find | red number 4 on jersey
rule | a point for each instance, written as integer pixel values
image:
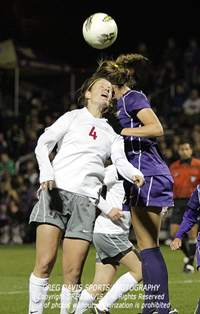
(93, 133)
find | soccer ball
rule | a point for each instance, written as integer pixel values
(100, 30)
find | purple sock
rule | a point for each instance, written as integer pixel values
(198, 307)
(155, 281)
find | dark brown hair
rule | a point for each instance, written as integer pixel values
(87, 85)
(117, 71)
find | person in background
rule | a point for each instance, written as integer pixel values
(191, 105)
(3, 144)
(113, 248)
(186, 174)
(7, 164)
(140, 126)
(191, 63)
(189, 220)
(70, 189)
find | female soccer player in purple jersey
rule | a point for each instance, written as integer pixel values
(189, 219)
(139, 125)
(70, 188)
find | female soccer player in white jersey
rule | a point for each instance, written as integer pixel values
(70, 188)
(113, 248)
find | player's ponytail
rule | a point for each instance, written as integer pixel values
(126, 60)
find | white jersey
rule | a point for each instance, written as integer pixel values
(114, 198)
(84, 144)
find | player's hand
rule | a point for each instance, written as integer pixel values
(139, 181)
(115, 213)
(176, 244)
(47, 185)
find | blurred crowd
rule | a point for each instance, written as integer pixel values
(173, 88)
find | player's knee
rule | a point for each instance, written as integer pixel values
(44, 266)
(73, 275)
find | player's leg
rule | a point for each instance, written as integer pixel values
(48, 238)
(175, 221)
(76, 243)
(173, 230)
(197, 310)
(125, 283)
(74, 254)
(132, 261)
(146, 223)
(192, 240)
(104, 275)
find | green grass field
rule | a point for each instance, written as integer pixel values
(16, 264)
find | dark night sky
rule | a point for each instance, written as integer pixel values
(55, 26)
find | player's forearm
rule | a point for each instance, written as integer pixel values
(147, 131)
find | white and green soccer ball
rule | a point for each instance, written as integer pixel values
(100, 30)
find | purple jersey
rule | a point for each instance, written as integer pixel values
(191, 214)
(143, 153)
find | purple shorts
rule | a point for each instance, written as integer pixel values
(158, 191)
(198, 251)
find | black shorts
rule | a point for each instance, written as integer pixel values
(180, 206)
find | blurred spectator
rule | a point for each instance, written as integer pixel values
(33, 122)
(175, 146)
(172, 53)
(14, 231)
(144, 71)
(31, 173)
(26, 196)
(48, 120)
(197, 84)
(25, 98)
(31, 141)
(3, 144)
(8, 190)
(15, 139)
(178, 100)
(169, 156)
(191, 107)
(167, 75)
(73, 106)
(196, 140)
(143, 50)
(3, 217)
(7, 164)
(65, 102)
(191, 63)
(8, 118)
(36, 101)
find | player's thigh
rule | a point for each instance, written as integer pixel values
(193, 232)
(174, 229)
(146, 222)
(74, 254)
(48, 238)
